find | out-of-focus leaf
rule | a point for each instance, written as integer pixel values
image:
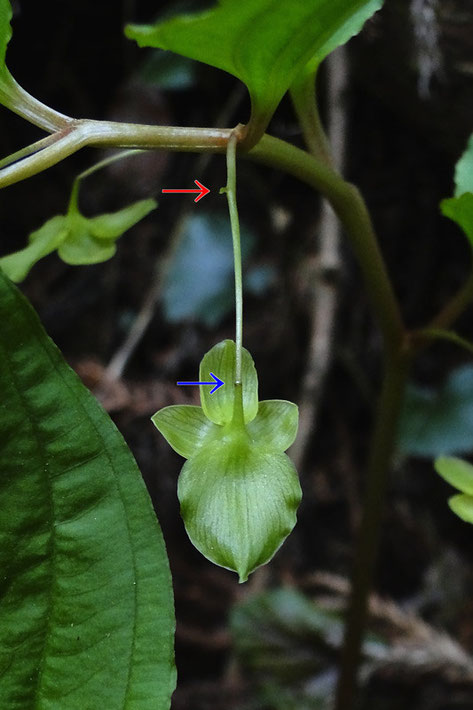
(258, 279)
(460, 207)
(460, 211)
(200, 282)
(264, 43)
(79, 240)
(462, 505)
(457, 472)
(464, 171)
(86, 611)
(289, 645)
(170, 72)
(437, 422)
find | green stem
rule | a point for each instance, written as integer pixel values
(455, 306)
(74, 199)
(422, 337)
(28, 150)
(350, 207)
(14, 97)
(344, 197)
(230, 191)
(307, 111)
(108, 134)
(122, 155)
(377, 476)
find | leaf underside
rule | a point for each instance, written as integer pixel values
(264, 43)
(86, 610)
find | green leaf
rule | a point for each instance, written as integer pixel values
(462, 505)
(43, 241)
(460, 211)
(238, 502)
(185, 428)
(86, 612)
(439, 421)
(457, 472)
(460, 207)
(79, 240)
(5, 31)
(275, 424)
(264, 43)
(219, 406)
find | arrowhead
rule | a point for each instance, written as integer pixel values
(203, 191)
(218, 382)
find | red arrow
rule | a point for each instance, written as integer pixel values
(202, 190)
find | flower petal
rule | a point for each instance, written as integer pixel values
(184, 427)
(275, 425)
(238, 503)
(220, 360)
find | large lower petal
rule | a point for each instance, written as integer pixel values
(238, 503)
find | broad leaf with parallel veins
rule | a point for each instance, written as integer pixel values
(238, 490)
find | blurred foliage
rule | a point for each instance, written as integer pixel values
(199, 284)
(290, 645)
(460, 207)
(439, 420)
(169, 71)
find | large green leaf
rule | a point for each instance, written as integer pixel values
(264, 43)
(5, 31)
(86, 611)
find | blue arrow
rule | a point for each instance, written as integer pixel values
(215, 381)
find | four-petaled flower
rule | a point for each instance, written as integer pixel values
(238, 490)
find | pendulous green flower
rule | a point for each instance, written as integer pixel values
(238, 490)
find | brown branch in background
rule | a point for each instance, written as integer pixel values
(325, 270)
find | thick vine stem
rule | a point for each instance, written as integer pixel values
(396, 370)
(307, 111)
(350, 207)
(82, 133)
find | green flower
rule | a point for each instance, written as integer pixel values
(238, 490)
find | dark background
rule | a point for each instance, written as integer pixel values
(401, 149)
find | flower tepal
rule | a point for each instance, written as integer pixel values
(238, 490)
